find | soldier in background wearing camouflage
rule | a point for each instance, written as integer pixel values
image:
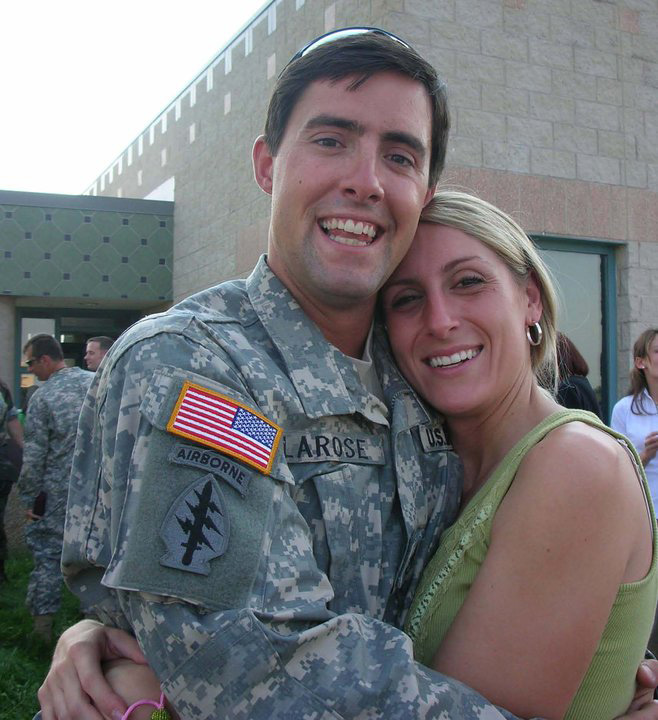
(50, 428)
(11, 430)
(255, 484)
(95, 351)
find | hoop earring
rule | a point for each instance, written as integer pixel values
(538, 332)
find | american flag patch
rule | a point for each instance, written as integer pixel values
(217, 421)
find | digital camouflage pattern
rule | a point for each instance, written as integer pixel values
(7, 412)
(50, 428)
(7, 469)
(295, 618)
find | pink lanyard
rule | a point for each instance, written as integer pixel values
(158, 714)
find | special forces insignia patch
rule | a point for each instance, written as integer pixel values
(196, 528)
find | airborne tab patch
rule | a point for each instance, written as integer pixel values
(219, 422)
(196, 528)
(236, 475)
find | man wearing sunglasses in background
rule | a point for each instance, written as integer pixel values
(256, 485)
(50, 427)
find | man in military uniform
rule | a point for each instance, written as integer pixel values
(11, 432)
(95, 351)
(255, 484)
(50, 428)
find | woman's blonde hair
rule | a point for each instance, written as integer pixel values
(500, 233)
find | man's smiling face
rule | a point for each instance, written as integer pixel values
(348, 183)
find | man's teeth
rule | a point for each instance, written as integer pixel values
(454, 359)
(355, 228)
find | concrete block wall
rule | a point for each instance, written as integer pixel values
(556, 97)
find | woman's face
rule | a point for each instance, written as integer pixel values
(649, 364)
(457, 320)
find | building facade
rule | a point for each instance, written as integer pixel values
(554, 107)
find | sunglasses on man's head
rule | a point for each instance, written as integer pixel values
(339, 35)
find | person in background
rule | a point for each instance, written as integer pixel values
(636, 417)
(96, 349)
(50, 428)
(574, 389)
(11, 447)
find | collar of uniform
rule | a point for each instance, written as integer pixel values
(59, 373)
(325, 380)
(396, 389)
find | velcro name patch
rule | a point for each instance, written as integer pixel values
(219, 422)
(323, 447)
(433, 438)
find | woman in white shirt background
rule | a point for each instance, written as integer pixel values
(636, 417)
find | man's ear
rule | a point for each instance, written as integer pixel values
(431, 190)
(263, 162)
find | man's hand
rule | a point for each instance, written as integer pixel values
(644, 707)
(75, 687)
(31, 516)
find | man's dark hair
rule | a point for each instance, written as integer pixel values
(103, 341)
(360, 56)
(44, 344)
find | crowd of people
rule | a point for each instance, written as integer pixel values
(349, 485)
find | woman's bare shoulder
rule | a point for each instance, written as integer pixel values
(581, 458)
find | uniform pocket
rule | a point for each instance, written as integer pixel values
(345, 504)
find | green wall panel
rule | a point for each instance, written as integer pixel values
(85, 252)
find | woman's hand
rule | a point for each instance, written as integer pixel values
(650, 448)
(649, 711)
(644, 707)
(75, 687)
(134, 682)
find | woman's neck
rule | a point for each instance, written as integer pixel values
(652, 389)
(483, 439)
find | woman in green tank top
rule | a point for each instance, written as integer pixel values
(542, 594)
